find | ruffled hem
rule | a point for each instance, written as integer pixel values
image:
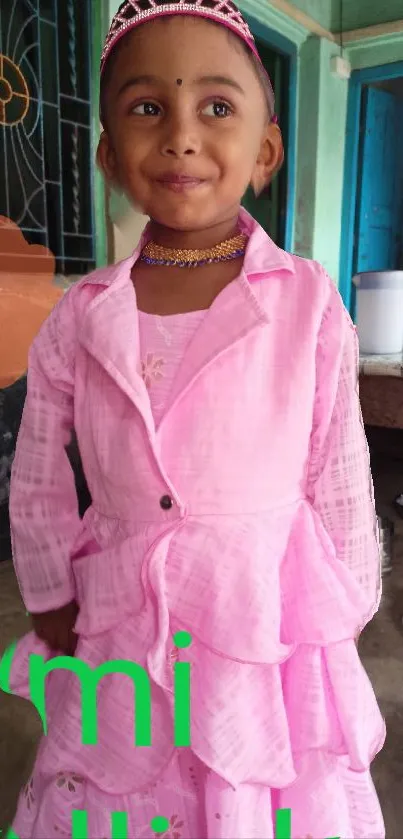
(264, 689)
(248, 722)
(205, 806)
(331, 705)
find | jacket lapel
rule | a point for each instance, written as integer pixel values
(232, 316)
(235, 313)
(110, 331)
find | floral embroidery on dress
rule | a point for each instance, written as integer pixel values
(29, 793)
(65, 779)
(151, 369)
(173, 831)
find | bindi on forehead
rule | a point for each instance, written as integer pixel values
(179, 82)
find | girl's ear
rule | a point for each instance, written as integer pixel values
(106, 162)
(270, 159)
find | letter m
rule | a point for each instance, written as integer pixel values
(89, 679)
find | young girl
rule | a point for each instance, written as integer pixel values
(211, 380)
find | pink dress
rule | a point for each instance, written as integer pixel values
(247, 421)
(326, 793)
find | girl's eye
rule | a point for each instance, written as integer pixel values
(219, 110)
(146, 109)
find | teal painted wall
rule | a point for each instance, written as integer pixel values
(361, 13)
(320, 10)
(374, 52)
(309, 95)
(356, 13)
(113, 7)
(330, 163)
(322, 125)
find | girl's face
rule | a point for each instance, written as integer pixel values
(187, 124)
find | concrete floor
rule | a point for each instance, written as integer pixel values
(381, 648)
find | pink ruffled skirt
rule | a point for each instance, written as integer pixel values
(283, 714)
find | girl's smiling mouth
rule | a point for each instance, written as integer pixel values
(179, 183)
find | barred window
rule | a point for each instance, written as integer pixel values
(46, 153)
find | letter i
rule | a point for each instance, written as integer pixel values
(79, 824)
(283, 824)
(182, 706)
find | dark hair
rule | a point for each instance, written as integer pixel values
(257, 66)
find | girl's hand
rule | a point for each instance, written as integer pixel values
(56, 628)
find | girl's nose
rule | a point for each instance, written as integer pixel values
(181, 139)
(176, 151)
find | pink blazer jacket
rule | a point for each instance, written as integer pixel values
(247, 519)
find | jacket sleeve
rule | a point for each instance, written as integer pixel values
(340, 484)
(44, 514)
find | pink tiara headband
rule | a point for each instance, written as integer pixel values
(134, 12)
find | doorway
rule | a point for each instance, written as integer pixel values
(372, 224)
(379, 213)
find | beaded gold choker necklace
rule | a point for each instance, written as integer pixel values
(232, 248)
